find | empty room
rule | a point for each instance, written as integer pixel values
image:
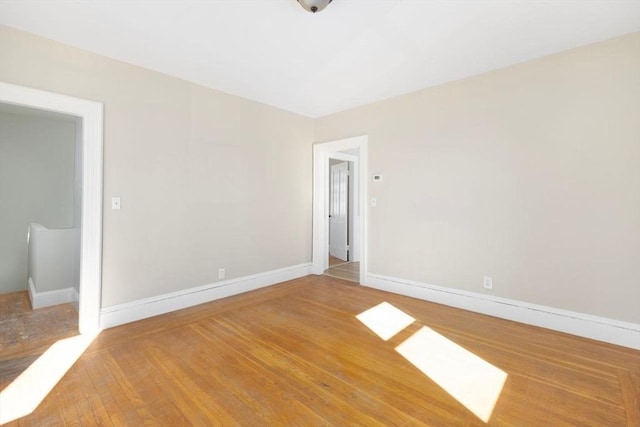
(316, 212)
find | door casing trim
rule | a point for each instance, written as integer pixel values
(322, 152)
(91, 113)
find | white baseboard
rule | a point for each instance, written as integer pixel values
(49, 298)
(584, 325)
(149, 307)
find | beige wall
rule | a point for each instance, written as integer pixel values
(207, 180)
(36, 184)
(529, 174)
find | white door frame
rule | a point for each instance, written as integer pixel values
(321, 155)
(91, 113)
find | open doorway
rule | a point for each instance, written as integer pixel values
(340, 211)
(40, 202)
(90, 115)
(339, 220)
(343, 262)
(24, 394)
(40, 198)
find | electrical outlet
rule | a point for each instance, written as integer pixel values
(488, 282)
(221, 273)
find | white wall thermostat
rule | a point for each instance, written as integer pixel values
(377, 178)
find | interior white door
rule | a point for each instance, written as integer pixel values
(339, 210)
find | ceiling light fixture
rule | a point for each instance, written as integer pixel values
(314, 6)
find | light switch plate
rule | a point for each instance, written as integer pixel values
(115, 203)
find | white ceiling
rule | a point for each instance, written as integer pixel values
(352, 53)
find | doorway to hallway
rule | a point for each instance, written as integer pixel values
(353, 151)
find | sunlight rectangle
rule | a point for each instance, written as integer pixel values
(385, 320)
(25, 393)
(472, 381)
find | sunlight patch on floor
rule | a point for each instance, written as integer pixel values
(25, 393)
(468, 378)
(472, 381)
(385, 320)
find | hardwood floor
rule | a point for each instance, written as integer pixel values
(333, 261)
(295, 354)
(25, 333)
(343, 269)
(349, 271)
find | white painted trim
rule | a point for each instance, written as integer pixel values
(583, 325)
(49, 298)
(91, 113)
(153, 306)
(321, 154)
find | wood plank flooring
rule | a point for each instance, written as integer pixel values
(343, 270)
(25, 333)
(295, 354)
(333, 261)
